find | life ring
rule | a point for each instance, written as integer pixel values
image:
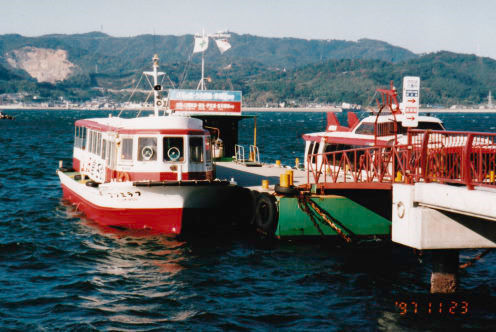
(122, 176)
(173, 153)
(147, 152)
(159, 103)
(266, 214)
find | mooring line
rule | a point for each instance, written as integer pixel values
(302, 204)
(475, 259)
(305, 199)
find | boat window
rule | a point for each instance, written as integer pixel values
(365, 128)
(98, 150)
(335, 147)
(196, 149)
(208, 149)
(401, 129)
(76, 136)
(430, 125)
(111, 154)
(314, 149)
(91, 147)
(79, 137)
(104, 149)
(83, 137)
(147, 148)
(173, 149)
(127, 149)
(383, 128)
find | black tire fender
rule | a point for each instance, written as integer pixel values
(266, 214)
(289, 191)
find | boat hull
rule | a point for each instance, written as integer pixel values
(164, 208)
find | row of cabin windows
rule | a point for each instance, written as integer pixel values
(387, 128)
(96, 145)
(173, 149)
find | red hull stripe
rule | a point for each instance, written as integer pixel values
(166, 221)
(163, 176)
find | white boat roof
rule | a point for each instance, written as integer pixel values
(171, 122)
(371, 119)
(399, 117)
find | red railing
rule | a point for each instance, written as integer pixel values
(426, 156)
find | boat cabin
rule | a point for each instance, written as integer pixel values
(142, 149)
(372, 130)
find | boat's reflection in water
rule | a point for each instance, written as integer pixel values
(140, 248)
(134, 276)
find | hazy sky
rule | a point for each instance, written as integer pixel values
(419, 25)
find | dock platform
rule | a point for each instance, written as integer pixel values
(251, 177)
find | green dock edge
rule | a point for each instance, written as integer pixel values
(353, 218)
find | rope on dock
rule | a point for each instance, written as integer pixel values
(305, 203)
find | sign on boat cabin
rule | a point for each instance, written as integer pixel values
(205, 101)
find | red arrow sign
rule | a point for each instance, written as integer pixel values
(411, 101)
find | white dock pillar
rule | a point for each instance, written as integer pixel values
(443, 219)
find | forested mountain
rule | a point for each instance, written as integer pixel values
(267, 70)
(447, 78)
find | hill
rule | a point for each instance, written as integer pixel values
(267, 70)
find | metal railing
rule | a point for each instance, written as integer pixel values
(239, 153)
(253, 157)
(466, 158)
(254, 154)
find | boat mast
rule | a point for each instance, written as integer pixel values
(157, 98)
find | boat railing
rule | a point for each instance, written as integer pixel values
(239, 151)
(466, 158)
(254, 154)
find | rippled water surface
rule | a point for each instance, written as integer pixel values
(59, 271)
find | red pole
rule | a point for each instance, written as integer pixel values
(423, 156)
(467, 151)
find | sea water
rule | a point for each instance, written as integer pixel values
(60, 271)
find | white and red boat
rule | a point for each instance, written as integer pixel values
(382, 129)
(152, 172)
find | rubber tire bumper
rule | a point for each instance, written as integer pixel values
(266, 214)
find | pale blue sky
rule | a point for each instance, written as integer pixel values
(419, 25)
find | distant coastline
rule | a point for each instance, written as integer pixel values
(250, 109)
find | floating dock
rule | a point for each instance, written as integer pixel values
(289, 214)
